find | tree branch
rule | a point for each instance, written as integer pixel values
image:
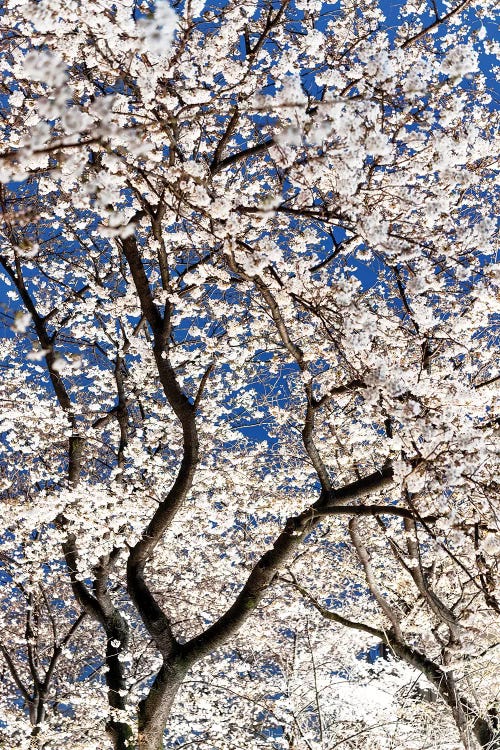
(229, 161)
(461, 6)
(461, 707)
(295, 530)
(373, 510)
(334, 616)
(364, 559)
(15, 673)
(224, 140)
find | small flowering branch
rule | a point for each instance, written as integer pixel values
(439, 20)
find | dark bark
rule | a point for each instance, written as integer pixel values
(155, 620)
(272, 561)
(120, 732)
(155, 709)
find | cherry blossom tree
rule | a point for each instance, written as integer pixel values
(250, 370)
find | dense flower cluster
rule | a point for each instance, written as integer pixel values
(249, 376)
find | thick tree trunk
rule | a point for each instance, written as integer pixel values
(155, 709)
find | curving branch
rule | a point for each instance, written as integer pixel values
(150, 611)
(437, 606)
(275, 559)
